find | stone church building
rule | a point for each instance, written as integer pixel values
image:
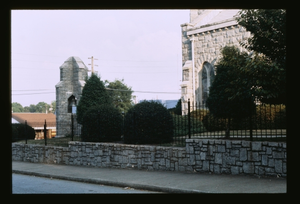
(68, 92)
(202, 38)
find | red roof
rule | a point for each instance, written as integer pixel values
(35, 119)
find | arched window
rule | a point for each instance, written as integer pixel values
(71, 102)
(208, 76)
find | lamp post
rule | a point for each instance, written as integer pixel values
(123, 114)
(74, 109)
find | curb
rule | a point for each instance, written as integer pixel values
(112, 183)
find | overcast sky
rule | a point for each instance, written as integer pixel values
(141, 46)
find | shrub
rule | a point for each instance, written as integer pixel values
(148, 122)
(93, 93)
(265, 117)
(18, 132)
(181, 125)
(212, 123)
(102, 123)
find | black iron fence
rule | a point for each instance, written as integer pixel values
(267, 122)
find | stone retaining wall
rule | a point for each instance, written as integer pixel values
(199, 155)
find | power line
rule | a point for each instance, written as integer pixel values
(98, 59)
(34, 93)
(34, 90)
(122, 90)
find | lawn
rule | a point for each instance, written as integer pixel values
(62, 141)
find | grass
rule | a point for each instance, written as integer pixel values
(61, 141)
(179, 141)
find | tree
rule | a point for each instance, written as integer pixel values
(32, 108)
(268, 41)
(178, 110)
(53, 106)
(221, 101)
(102, 123)
(93, 93)
(17, 107)
(26, 109)
(121, 94)
(41, 107)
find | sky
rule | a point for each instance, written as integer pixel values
(143, 47)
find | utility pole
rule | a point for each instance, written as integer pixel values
(92, 64)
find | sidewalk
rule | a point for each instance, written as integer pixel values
(160, 181)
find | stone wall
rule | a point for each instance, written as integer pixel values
(237, 157)
(216, 156)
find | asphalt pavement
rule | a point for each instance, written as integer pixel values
(160, 181)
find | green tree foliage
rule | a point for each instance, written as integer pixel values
(41, 107)
(268, 68)
(38, 108)
(221, 102)
(102, 123)
(53, 106)
(121, 94)
(148, 122)
(18, 132)
(26, 109)
(17, 107)
(178, 110)
(93, 94)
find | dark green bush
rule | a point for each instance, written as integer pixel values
(265, 117)
(181, 125)
(148, 122)
(18, 132)
(212, 123)
(102, 123)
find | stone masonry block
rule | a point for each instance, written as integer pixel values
(268, 150)
(236, 142)
(254, 156)
(273, 144)
(220, 148)
(278, 166)
(245, 143)
(234, 170)
(271, 162)
(229, 160)
(191, 160)
(248, 167)
(182, 161)
(278, 155)
(218, 158)
(284, 167)
(235, 152)
(217, 169)
(243, 154)
(264, 160)
(256, 146)
(228, 144)
(205, 166)
(202, 155)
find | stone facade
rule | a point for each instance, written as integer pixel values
(202, 39)
(199, 155)
(68, 92)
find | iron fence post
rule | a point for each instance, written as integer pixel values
(72, 126)
(250, 117)
(189, 118)
(45, 133)
(25, 131)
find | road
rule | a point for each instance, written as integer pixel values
(24, 184)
